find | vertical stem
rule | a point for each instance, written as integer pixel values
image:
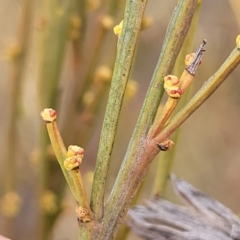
(126, 47)
(166, 159)
(141, 151)
(18, 63)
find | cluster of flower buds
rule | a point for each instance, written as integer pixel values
(74, 157)
(172, 86)
(118, 29)
(176, 87)
(82, 214)
(48, 115)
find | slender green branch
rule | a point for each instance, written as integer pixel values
(72, 176)
(126, 47)
(165, 160)
(141, 151)
(53, 36)
(17, 58)
(205, 92)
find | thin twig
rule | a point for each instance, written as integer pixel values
(141, 152)
(126, 47)
(205, 92)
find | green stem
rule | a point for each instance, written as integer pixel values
(165, 160)
(126, 47)
(141, 150)
(16, 77)
(73, 177)
(54, 33)
(18, 63)
(205, 92)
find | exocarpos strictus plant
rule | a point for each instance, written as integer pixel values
(99, 219)
(167, 105)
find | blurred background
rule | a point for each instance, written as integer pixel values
(208, 151)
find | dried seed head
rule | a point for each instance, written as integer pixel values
(74, 162)
(74, 150)
(49, 115)
(189, 58)
(118, 29)
(238, 41)
(82, 214)
(107, 22)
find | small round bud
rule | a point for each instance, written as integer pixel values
(238, 41)
(171, 86)
(74, 150)
(13, 51)
(88, 98)
(82, 214)
(93, 4)
(118, 29)
(48, 202)
(107, 22)
(10, 204)
(147, 22)
(71, 163)
(76, 22)
(171, 80)
(131, 89)
(49, 115)
(102, 74)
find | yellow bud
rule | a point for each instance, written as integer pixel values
(71, 163)
(88, 98)
(238, 41)
(75, 27)
(49, 115)
(147, 21)
(76, 22)
(171, 86)
(82, 214)
(74, 150)
(102, 74)
(131, 89)
(93, 4)
(10, 204)
(48, 202)
(107, 22)
(13, 52)
(118, 29)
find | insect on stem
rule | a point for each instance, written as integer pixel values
(192, 68)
